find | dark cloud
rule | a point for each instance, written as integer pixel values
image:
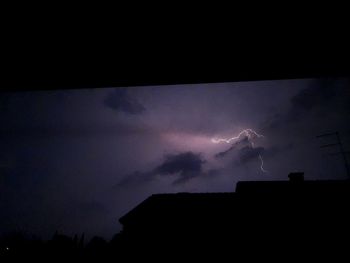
(183, 162)
(224, 153)
(234, 146)
(183, 166)
(120, 100)
(245, 151)
(320, 93)
(187, 165)
(248, 153)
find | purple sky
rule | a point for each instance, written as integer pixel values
(77, 160)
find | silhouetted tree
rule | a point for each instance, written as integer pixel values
(97, 247)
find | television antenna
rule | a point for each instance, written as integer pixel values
(342, 151)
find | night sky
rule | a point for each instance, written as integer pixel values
(77, 160)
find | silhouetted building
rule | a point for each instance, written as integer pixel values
(258, 216)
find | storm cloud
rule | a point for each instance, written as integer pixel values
(182, 166)
(234, 146)
(186, 165)
(318, 94)
(249, 153)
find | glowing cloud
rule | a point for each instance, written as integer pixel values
(250, 134)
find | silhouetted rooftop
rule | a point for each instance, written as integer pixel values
(321, 187)
(254, 194)
(166, 204)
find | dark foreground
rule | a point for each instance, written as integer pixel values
(294, 219)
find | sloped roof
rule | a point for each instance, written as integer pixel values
(167, 204)
(256, 195)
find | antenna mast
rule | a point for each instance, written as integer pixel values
(342, 151)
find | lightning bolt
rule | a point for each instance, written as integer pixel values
(250, 134)
(262, 164)
(247, 132)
